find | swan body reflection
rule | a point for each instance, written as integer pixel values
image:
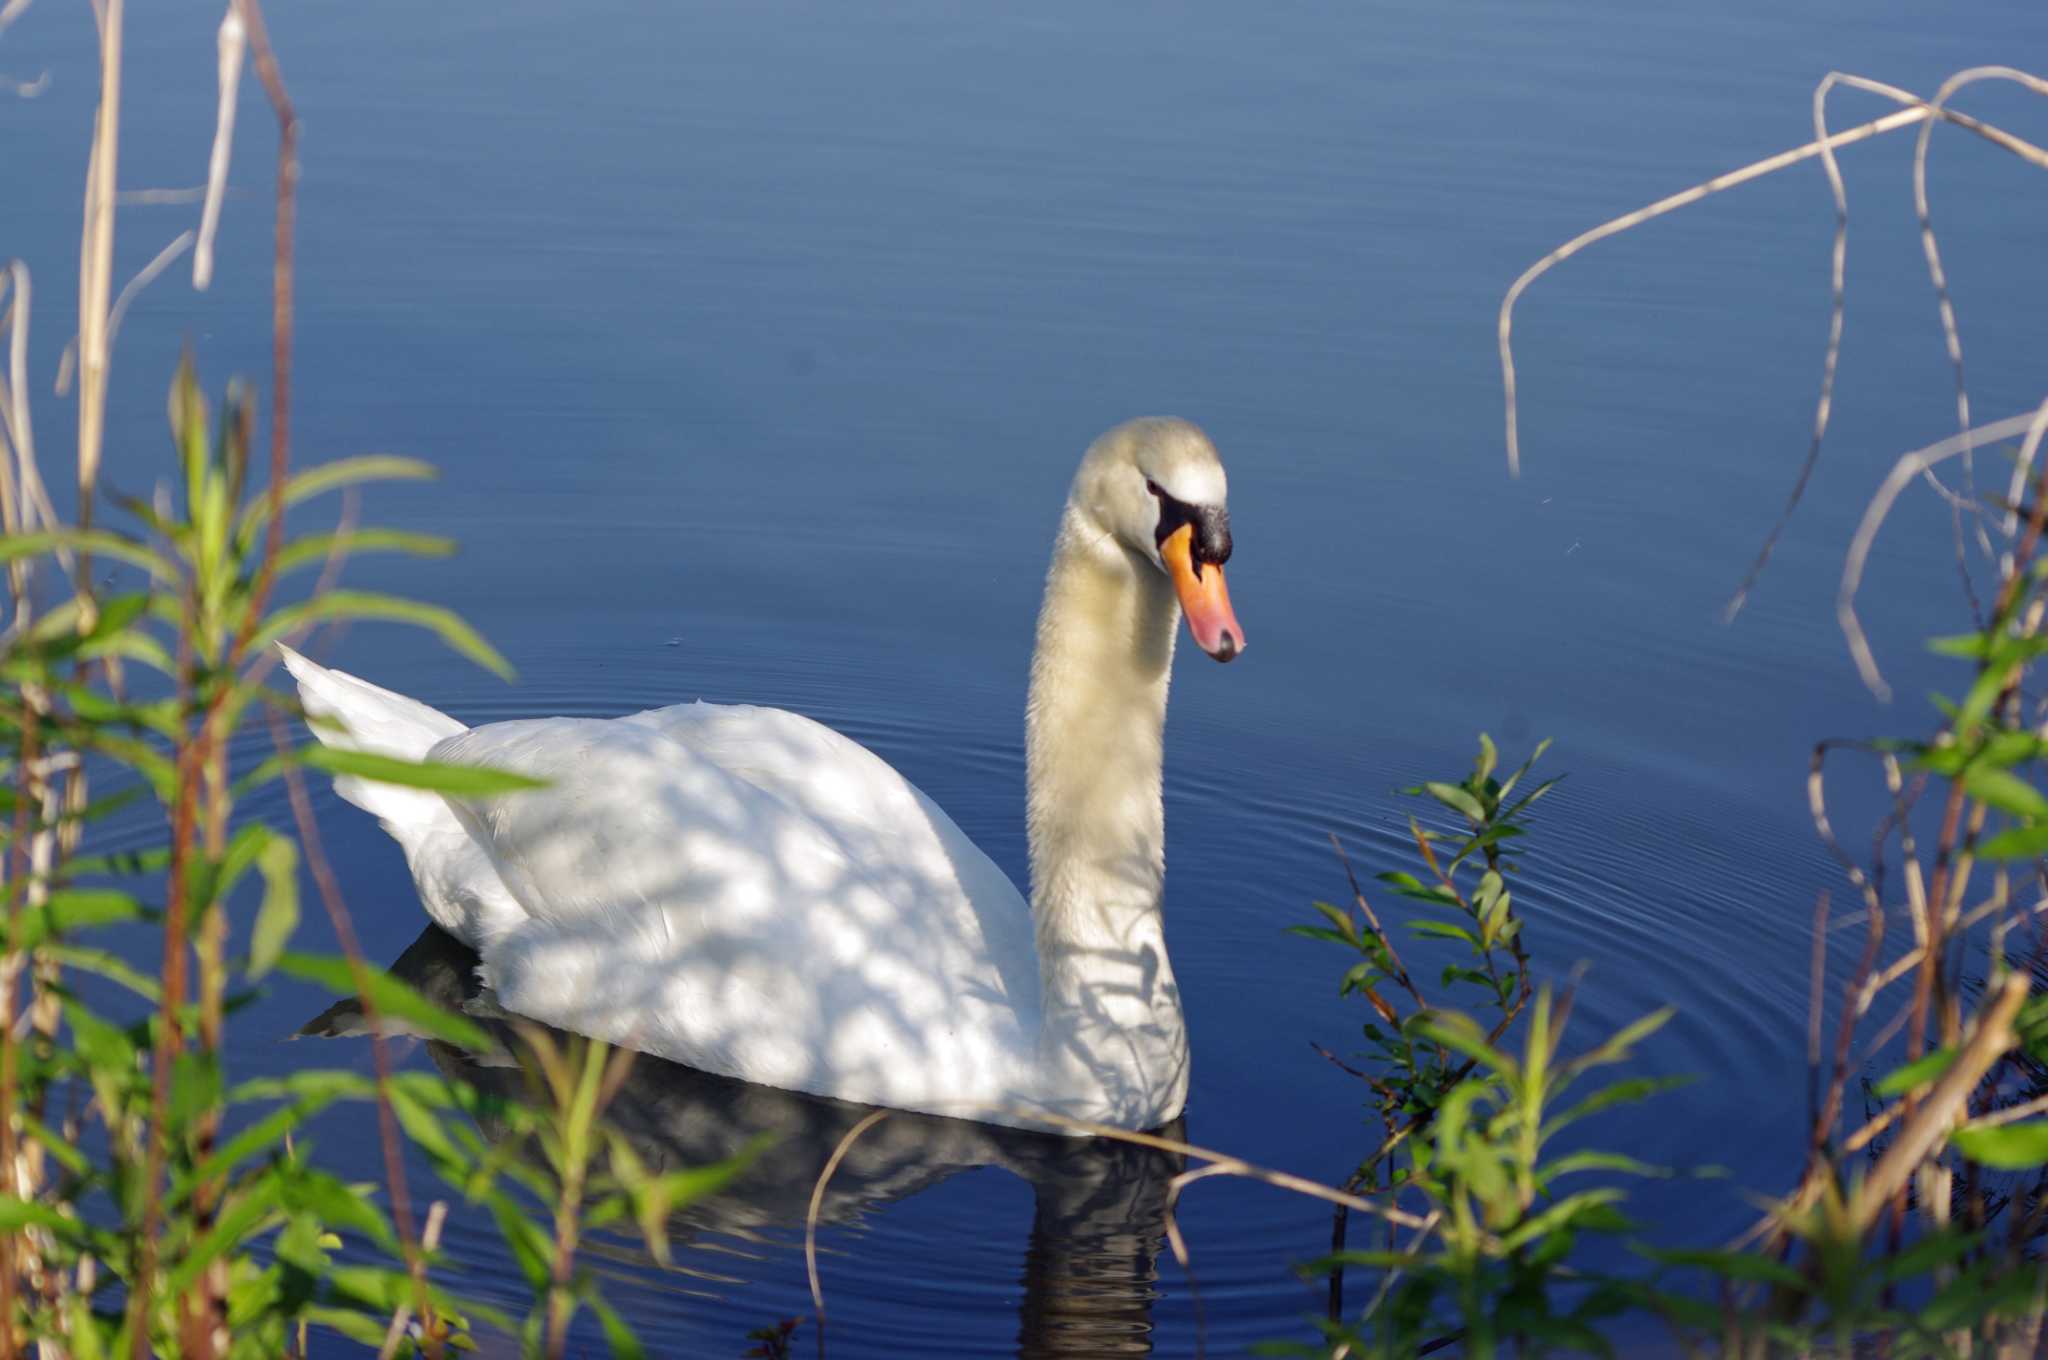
(1089, 1265)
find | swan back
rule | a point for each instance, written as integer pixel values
(744, 890)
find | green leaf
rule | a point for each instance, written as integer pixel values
(1460, 1033)
(1559, 1216)
(1445, 929)
(245, 1210)
(360, 1328)
(271, 1129)
(1970, 646)
(1617, 1047)
(2005, 791)
(1457, 799)
(339, 1205)
(2005, 1147)
(617, 1335)
(390, 997)
(1929, 1254)
(1321, 933)
(97, 542)
(62, 1150)
(530, 1246)
(314, 481)
(105, 1047)
(1917, 1073)
(1489, 757)
(2019, 842)
(69, 909)
(1510, 813)
(2006, 748)
(1730, 1265)
(16, 1214)
(196, 1087)
(363, 604)
(241, 855)
(56, 633)
(317, 1085)
(1369, 1259)
(1602, 1161)
(318, 548)
(1983, 693)
(278, 916)
(1628, 1091)
(657, 1196)
(1340, 919)
(1508, 785)
(461, 781)
(1408, 885)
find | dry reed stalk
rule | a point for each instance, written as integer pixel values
(265, 59)
(96, 260)
(1823, 145)
(10, 12)
(34, 504)
(1925, 1129)
(232, 42)
(48, 785)
(430, 1240)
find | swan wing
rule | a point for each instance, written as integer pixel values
(749, 892)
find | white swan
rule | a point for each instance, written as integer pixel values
(746, 891)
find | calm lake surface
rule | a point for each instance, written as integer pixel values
(757, 345)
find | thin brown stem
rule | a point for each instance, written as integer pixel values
(380, 1055)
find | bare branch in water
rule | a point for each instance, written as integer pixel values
(1951, 332)
(1902, 473)
(817, 1200)
(142, 280)
(1823, 145)
(10, 12)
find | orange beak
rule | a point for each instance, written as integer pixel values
(1203, 597)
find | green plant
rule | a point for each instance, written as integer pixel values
(1468, 887)
(1468, 1122)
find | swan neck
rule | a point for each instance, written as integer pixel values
(1094, 731)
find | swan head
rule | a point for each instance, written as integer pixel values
(1156, 486)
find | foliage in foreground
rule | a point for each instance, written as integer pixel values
(156, 1204)
(1917, 1224)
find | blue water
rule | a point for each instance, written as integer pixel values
(757, 343)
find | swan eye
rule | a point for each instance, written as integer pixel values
(1211, 525)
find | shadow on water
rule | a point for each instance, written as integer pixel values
(1089, 1270)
